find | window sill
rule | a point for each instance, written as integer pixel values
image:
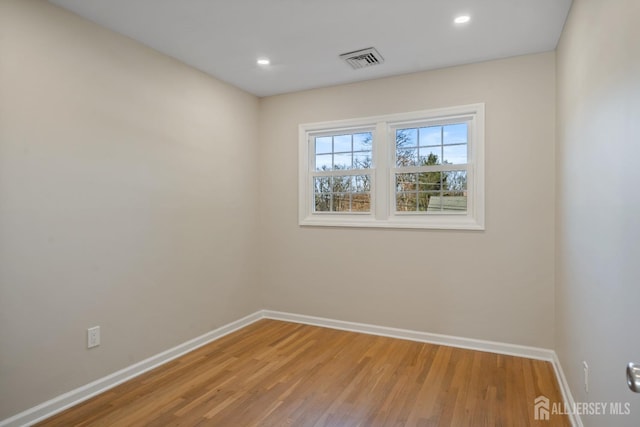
(406, 222)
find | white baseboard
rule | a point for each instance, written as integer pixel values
(74, 397)
(405, 334)
(575, 419)
(80, 394)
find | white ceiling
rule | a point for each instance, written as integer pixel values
(303, 38)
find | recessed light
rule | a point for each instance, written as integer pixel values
(462, 19)
(263, 61)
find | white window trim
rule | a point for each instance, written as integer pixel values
(382, 180)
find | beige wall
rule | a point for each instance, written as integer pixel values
(494, 285)
(120, 202)
(598, 212)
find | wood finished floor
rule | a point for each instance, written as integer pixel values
(275, 373)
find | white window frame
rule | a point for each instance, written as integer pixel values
(383, 171)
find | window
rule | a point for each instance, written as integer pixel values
(341, 172)
(415, 170)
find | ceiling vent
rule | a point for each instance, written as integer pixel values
(363, 58)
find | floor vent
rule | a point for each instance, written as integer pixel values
(362, 58)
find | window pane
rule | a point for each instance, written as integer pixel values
(361, 183)
(454, 202)
(323, 145)
(406, 157)
(322, 202)
(341, 143)
(406, 202)
(342, 161)
(429, 156)
(406, 138)
(430, 135)
(360, 202)
(454, 181)
(431, 192)
(455, 154)
(362, 141)
(405, 182)
(455, 134)
(448, 203)
(324, 162)
(341, 203)
(336, 152)
(347, 193)
(341, 184)
(362, 160)
(322, 184)
(428, 201)
(429, 181)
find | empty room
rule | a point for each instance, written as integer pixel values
(319, 213)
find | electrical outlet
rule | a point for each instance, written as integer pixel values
(586, 376)
(93, 337)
